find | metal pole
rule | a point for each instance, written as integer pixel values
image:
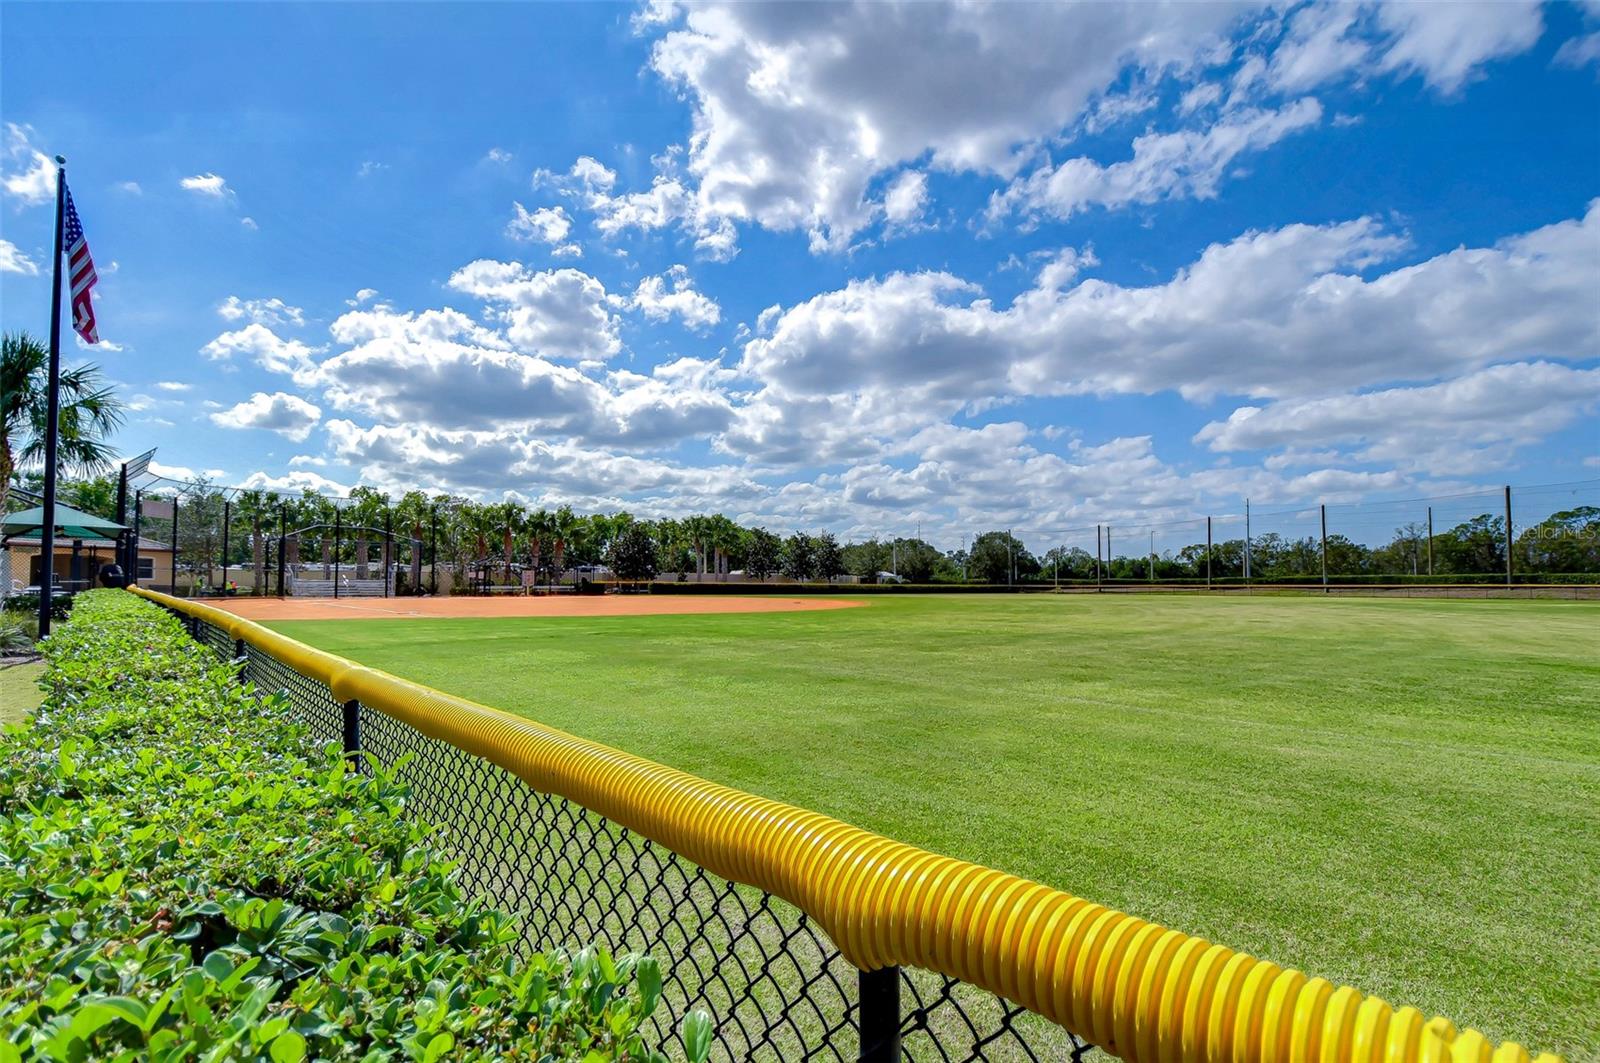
(227, 516)
(336, 534)
(1247, 542)
(879, 992)
(1324, 548)
(433, 550)
(1208, 553)
(1430, 540)
(388, 549)
(122, 495)
(283, 542)
(133, 547)
(47, 526)
(177, 506)
(1508, 535)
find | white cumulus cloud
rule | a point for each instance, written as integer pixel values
(288, 415)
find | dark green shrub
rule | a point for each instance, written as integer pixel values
(183, 875)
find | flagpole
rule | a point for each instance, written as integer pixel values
(47, 533)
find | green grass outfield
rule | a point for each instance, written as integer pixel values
(1401, 795)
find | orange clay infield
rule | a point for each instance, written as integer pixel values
(515, 605)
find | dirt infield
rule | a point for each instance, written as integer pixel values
(512, 606)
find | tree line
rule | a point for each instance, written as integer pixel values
(495, 542)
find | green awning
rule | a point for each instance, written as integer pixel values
(70, 524)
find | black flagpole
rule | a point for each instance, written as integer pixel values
(47, 532)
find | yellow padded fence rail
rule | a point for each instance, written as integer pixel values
(1137, 990)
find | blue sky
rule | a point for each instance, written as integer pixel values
(857, 268)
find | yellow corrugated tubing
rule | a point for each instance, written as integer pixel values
(1138, 990)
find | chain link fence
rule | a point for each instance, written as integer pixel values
(777, 987)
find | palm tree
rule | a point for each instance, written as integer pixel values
(413, 511)
(511, 517)
(563, 527)
(89, 412)
(698, 530)
(539, 525)
(368, 509)
(253, 506)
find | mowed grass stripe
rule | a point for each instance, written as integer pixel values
(1403, 795)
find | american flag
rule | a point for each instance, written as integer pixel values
(80, 267)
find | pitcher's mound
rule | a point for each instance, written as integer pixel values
(516, 605)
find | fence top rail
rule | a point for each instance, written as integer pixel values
(1138, 990)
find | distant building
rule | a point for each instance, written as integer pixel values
(78, 562)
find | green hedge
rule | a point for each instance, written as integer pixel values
(184, 875)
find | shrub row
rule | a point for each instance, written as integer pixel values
(185, 875)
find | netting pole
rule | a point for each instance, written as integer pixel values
(227, 517)
(433, 550)
(388, 550)
(1324, 508)
(879, 992)
(1208, 553)
(337, 529)
(1430, 540)
(1508, 535)
(283, 542)
(133, 547)
(177, 504)
(1247, 542)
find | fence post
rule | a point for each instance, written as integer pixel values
(240, 654)
(879, 992)
(1324, 548)
(352, 730)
